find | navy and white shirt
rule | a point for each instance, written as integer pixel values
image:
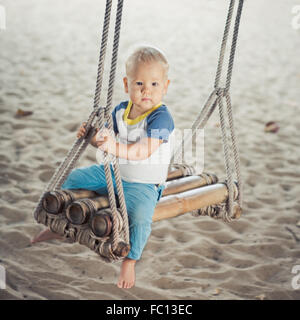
(156, 123)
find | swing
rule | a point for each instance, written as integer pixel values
(101, 222)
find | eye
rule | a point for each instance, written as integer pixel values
(155, 84)
(139, 83)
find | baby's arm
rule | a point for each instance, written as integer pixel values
(135, 151)
(138, 151)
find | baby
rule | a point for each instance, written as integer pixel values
(142, 129)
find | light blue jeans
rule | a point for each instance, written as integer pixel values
(140, 198)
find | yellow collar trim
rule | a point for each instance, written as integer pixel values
(139, 118)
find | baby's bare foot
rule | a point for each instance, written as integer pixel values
(127, 274)
(45, 235)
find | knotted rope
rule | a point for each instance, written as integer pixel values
(106, 113)
(102, 115)
(216, 98)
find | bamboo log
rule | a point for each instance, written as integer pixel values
(79, 212)
(188, 183)
(178, 204)
(179, 170)
(56, 201)
(101, 222)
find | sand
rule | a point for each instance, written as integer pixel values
(48, 61)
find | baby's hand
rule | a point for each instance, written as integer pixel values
(81, 131)
(105, 141)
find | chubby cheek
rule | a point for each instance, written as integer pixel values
(158, 96)
(134, 94)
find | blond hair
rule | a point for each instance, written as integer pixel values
(145, 54)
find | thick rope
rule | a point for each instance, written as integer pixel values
(114, 59)
(227, 157)
(108, 117)
(80, 144)
(234, 44)
(110, 186)
(102, 53)
(101, 114)
(225, 92)
(216, 99)
(235, 150)
(224, 44)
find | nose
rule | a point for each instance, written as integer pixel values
(146, 89)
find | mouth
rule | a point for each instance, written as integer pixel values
(146, 99)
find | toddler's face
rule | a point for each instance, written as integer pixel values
(147, 85)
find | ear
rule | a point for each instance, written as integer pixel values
(166, 86)
(125, 82)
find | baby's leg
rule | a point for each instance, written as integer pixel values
(140, 200)
(127, 274)
(88, 178)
